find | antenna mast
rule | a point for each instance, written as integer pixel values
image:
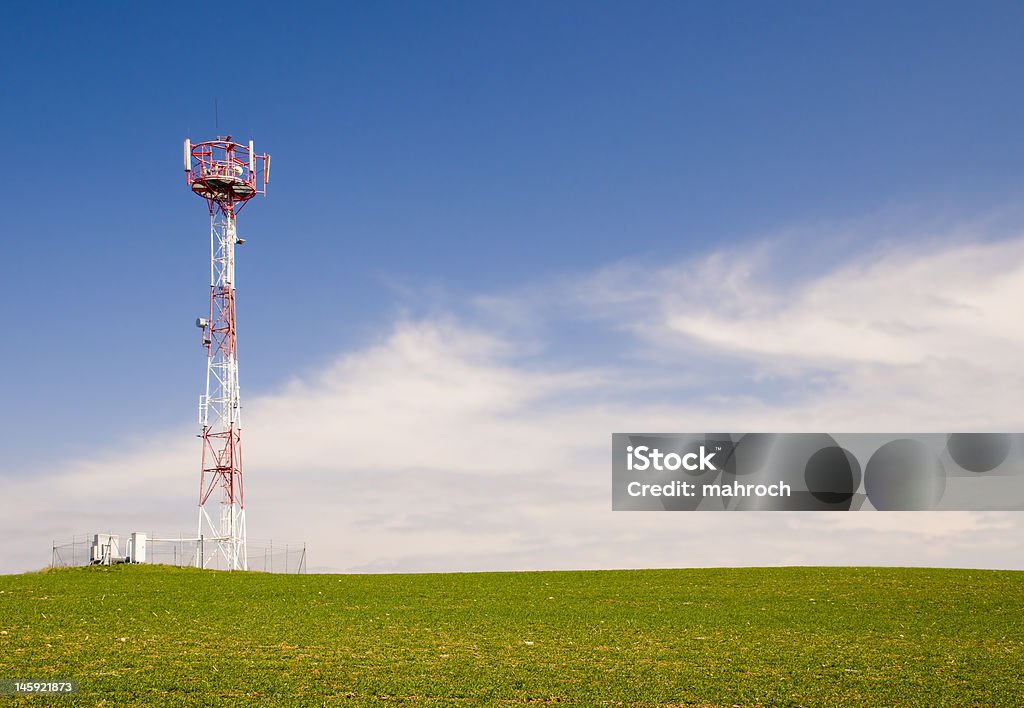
(227, 175)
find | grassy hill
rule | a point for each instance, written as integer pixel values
(746, 637)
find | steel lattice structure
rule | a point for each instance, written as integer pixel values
(227, 175)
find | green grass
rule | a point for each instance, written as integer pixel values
(747, 637)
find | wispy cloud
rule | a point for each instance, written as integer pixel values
(903, 308)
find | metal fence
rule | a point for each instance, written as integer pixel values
(264, 556)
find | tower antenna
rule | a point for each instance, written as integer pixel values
(227, 175)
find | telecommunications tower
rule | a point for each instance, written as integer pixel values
(227, 175)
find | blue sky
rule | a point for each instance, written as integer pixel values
(478, 167)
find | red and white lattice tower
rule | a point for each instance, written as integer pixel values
(227, 175)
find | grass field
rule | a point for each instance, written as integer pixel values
(747, 637)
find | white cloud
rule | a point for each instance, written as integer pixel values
(441, 448)
(903, 307)
(917, 337)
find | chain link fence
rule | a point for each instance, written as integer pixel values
(263, 556)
